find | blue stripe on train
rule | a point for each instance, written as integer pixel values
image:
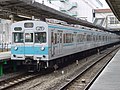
(29, 50)
(66, 28)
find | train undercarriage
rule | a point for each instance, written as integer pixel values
(35, 65)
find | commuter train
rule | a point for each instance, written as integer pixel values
(45, 44)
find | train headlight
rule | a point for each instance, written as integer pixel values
(15, 48)
(42, 48)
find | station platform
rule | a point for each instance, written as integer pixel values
(109, 79)
(4, 57)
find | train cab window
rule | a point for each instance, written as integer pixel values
(18, 37)
(28, 37)
(40, 37)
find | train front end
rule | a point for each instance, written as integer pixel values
(29, 42)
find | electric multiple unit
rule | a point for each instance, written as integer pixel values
(41, 42)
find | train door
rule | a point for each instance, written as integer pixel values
(29, 44)
(60, 41)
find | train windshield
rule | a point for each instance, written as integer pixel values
(28, 37)
(18, 37)
(40, 37)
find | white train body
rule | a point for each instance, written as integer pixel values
(43, 41)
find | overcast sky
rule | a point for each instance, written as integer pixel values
(103, 2)
(105, 5)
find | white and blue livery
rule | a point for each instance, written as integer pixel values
(44, 44)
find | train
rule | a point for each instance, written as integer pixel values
(44, 44)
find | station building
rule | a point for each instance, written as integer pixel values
(107, 19)
(83, 9)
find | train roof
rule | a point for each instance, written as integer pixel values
(29, 21)
(62, 23)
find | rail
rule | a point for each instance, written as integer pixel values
(67, 84)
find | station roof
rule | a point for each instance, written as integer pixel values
(31, 8)
(115, 7)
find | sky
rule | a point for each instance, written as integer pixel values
(105, 5)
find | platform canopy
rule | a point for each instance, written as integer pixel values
(31, 8)
(115, 7)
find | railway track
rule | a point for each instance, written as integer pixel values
(87, 75)
(16, 80)
(21, 78)
(43, 81)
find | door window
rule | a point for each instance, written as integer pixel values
(28, 37)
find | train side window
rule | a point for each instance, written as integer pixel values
(103, 38)
(106, 39)
(68, 38)
(78, 37)
(99, 38)
(55, 38)
(72, 37)
(84, 37)
(60, 37)
(18, 37)
(64, 38)
(52, 38)
(93, 37)
(88, 37)
(40, 37)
